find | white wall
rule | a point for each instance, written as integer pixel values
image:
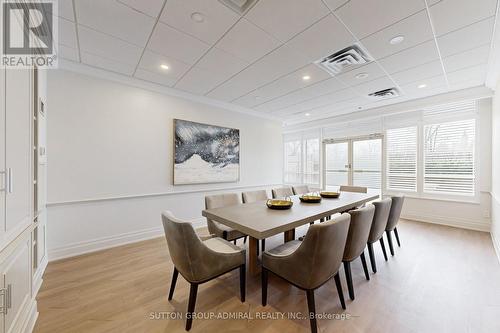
(110, 161)
(495, 191)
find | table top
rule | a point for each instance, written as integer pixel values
(258, 221)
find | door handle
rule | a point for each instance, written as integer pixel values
(4, 181)
(3, 295)
(9, 186)
(8, 301)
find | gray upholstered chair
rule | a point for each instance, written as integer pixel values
(357, 237)
(300, 189)
(357, 189)
(219, 229)
(199, 260)
(282, 192)
(309, 264)
(392, 222)
(253, 196)
(382, 209)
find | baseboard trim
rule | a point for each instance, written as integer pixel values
(444, 220)
(30, 322)
(98, 244)
(496, 246)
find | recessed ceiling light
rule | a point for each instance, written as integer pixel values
(306, 77)
(197, 17)
(397, 39)
(307, 114)
(423, 85)
(362, 75)
(163, 66)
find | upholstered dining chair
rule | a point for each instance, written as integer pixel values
(300, 189)
(253, 196)
(382, 209)
(282, 192)
(199, 260)
(357, 189)
(311, 263)
(392, 222)
(219, 229)
(357, 237)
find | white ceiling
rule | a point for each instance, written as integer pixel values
(257, 60)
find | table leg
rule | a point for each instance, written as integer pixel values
(289, 235)
(253, 253)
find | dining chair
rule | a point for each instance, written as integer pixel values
(198, 260)
(282, 192)
(300, 189)
(382, 209)
(219, 229)
(310, 263)
(392, 222)
(357, 189)
(357, 237)
(253, 196)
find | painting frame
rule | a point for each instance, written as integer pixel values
(181, 179)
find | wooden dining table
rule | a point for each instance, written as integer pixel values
(259, 222)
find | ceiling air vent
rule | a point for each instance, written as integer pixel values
(349, 57)
(386, 93)
(239, 6)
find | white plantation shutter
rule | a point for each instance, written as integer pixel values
(449, 165)
(293, 162)
(402, 159)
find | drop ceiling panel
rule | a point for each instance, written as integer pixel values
(379, 84)
(150, 7)
(334, 4)
(154, 77)
(176, 44)
(65, 9)
(67, 53)
(466, 59)
(284, 19)
(271, 67)
(200, 81)
(107, 64)
(450, 15)
(372, 71)
(108, 47)
(418, 55)
(116, 19)
(417, 73)
(247, 41)
(467, 38)
(152, 62)
(217, 18)
(433, 85)
(67, 33)
(365, 17)
(322, 39)
(217, 60)
(467, 77)
(284, 85)
(416, 29)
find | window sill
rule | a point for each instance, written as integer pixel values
(471, 200)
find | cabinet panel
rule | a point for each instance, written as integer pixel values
(18, 147)
(41, 237)
(2, 153)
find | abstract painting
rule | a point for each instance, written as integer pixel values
(205, 153)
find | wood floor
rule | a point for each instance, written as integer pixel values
(441, 280)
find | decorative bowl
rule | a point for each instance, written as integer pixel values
(310, 198)
(279, 204)
(326, 194)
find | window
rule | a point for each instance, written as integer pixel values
(402, 159)
(449, 157)
(293, 162)
(311, 161)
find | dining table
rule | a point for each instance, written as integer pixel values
(260, 222)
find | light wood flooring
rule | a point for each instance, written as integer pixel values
(442, 279)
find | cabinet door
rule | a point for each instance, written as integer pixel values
(17, 280)
(18, 149)
(2, 154)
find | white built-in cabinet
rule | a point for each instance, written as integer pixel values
(22, 197)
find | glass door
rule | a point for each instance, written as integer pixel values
(353, 161)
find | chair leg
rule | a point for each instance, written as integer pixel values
(263, 245)
(383, 248)
(172, 284)
(389, 240)
(192, 301)
(348, 277)
(243, 275)
(397, 236)
(365, 267)
(264, 276)
(312, 310)
(339, 290)
(372, 257)
(245, 240)
(322, 219)
(234, 241)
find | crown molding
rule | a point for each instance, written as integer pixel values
(154, 87)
